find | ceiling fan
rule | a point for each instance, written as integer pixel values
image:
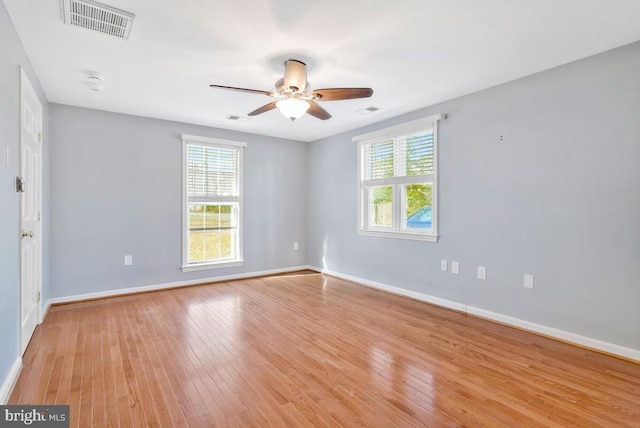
(296, 96)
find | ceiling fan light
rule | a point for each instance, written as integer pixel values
(293, 108)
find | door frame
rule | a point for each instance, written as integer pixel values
(26, 86)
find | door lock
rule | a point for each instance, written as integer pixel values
(27, 234)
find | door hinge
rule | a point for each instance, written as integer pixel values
(38, 216)
(38, 297)
(39, 137)
(20, 184)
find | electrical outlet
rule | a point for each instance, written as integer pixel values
(528, 281)
(443, 265)
(128, 260)
(295, 245)
(455, 267)
(482, 272)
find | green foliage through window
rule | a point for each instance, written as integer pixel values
(418, 197)
(381, 205)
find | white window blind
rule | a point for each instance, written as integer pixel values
(212, 171)
(378, 160)
(400, 157)
(419, 153)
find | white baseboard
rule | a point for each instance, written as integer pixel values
(567, 336)
(145, 288)
(10, 381)
(588, 342)
(397, 290)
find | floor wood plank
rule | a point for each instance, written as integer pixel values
(305, 349)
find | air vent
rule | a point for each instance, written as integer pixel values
(367, 110)
(97, 17)
(238, 118)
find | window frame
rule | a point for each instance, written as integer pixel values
(187, 140)
(398, 184)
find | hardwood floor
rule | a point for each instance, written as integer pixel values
(309, 350)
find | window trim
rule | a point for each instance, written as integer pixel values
(430, 122)
(211, 142)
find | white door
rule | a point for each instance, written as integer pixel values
(31, 201)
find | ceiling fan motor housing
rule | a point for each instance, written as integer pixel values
(295, 75)
(283, 90)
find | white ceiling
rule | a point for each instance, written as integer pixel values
(412, 53)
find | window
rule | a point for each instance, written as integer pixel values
(212, 203)
(397, 181)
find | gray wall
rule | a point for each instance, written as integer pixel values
(116, 190)
(558, 198)
(12, 55)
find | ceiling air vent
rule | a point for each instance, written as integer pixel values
(368, 110)
(97, 17)
(238, 118)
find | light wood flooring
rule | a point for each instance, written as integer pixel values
(310, 350)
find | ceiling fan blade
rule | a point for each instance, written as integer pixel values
(253, 91)
(317, 111)
(265, 108)
(335, 94)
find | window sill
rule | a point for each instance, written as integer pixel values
(399, 235)
(214, 265)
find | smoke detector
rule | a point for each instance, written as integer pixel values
(94, 81)
(97, 17)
